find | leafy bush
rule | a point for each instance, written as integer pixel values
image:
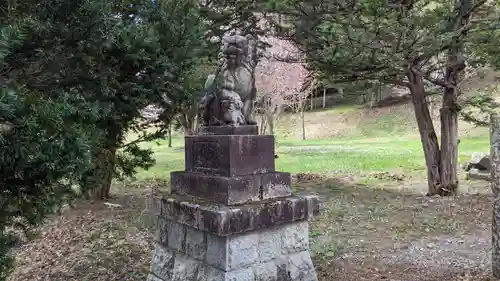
(74, 77)
(43, 154)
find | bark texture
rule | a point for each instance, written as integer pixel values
(495, 153)
(495, 188)
(98, 184)
(170, 135)
(303, 119)
(449, 143)
(495, 256)
(427, 132)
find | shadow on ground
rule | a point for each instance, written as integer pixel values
(383, 233)
(363, 233)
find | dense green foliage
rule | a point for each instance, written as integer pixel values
(43, 153)
(193, 86)
(128, 57)
(74, 77)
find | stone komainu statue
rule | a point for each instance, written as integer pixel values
(230, 92)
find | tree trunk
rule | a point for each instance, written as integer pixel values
(324, 97)
(188, 122)
(270, 121)
(194, 123)
(449, 143)
(495, 159)
(302, 116)
(263, 123)
(449, 109)
(495, 188)
(98, 183)
(311, 99)
(188, 131)
(495, 231)
(427, 132)
(169, 135)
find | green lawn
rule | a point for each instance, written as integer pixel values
(328, 156)
(381, 140)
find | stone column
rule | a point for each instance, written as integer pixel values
(495, 188)
(231, 216)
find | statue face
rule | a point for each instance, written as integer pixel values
(235, 48)
(231, 52)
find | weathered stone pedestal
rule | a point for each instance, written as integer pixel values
(231, 216)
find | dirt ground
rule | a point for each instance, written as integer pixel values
(363, 233)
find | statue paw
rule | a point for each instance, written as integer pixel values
(251, 122)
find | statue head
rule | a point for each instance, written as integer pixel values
(235, 48)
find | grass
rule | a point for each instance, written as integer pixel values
(167, 159)
(358, 156)
(361, 141)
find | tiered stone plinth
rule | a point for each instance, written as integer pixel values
(231, 216)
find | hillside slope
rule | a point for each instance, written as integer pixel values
(361, 121)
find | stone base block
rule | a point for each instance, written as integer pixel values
(232, 190)
(230, 155)
(224, 220)
(279, 253)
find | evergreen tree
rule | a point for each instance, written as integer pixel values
(420, 45)
(117, 58)
(74, 77)
(43, 151)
